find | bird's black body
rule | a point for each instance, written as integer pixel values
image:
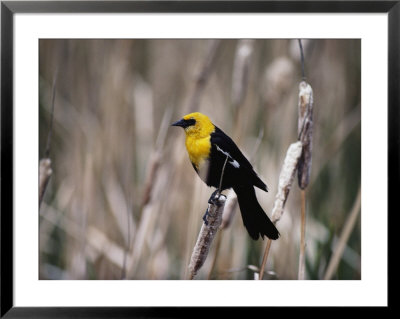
(209, 149)
(221, 147)
(240, 176)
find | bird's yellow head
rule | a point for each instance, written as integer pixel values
(196, 125)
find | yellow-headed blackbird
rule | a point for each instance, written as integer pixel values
(209, 149)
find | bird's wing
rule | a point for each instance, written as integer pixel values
(224, 144)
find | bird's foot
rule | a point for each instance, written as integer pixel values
(205, 217)
(213, 200)
(214, 197)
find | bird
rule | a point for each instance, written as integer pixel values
(212, 153)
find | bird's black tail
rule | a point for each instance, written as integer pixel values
(254, 218)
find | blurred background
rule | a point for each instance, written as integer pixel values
(124, 202)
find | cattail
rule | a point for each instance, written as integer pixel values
(229, 211)
(305, 131)
(207, 234)
(286, 179)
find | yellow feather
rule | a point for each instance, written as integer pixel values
(198, 149)
(198, 137)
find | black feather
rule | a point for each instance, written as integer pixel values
(244, 174)
(242, 179)
(254, 218)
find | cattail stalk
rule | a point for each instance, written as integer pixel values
(208, 230)
(207, 234)
(217, 247)
(298, 157)
(227, 216)
(305, 131)
(286, 178)
(265, 257)
(302, 256)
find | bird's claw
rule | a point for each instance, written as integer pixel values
(205, 217)
(214, 197)
(213, 200)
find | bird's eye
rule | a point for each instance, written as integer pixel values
(190, 122)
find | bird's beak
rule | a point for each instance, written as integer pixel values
(181, 123)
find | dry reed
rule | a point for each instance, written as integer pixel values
(212, 221)
(305, 131)
(298, 157)
(344, 237)
(302, 254)
(207, 234)
(286, 178)
(45, 172)
(240, 76)
(203, 75)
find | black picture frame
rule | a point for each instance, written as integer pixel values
(9, 8)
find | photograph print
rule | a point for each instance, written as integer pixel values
(199, 159)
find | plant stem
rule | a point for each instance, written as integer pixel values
(204, 75)
(53, 97)
(45, 172)
(344, 237)
(206, 235)
(264, 262)
(302, 257)
(302, 60)
(217, 246)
